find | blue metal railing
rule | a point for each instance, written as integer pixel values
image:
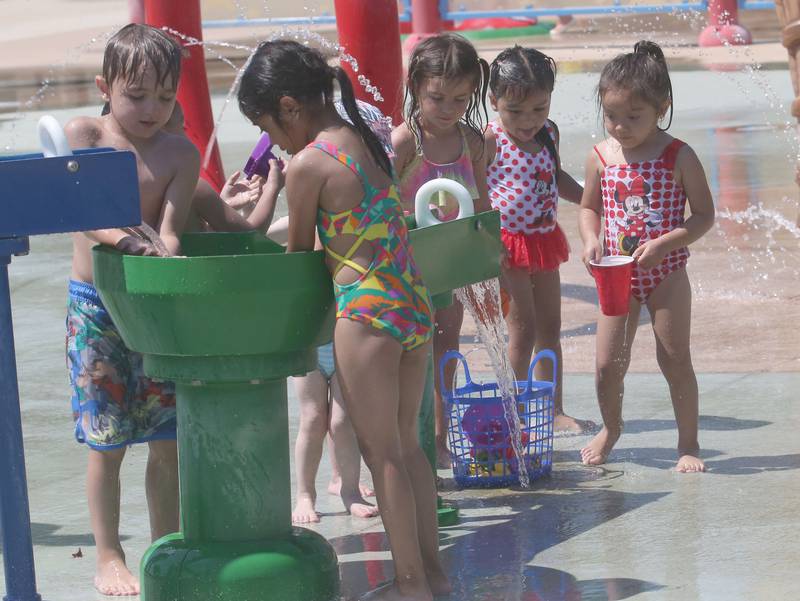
(323, 19)
(615, 8)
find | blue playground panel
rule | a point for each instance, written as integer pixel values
(91, 189)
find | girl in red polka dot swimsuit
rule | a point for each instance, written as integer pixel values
(525, 180)
(638, 182)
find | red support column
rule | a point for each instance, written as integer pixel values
(370, 32)
(425, 22)
(193, 94)
(723, 25)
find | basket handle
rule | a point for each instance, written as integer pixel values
(449, 355)
(543, 354)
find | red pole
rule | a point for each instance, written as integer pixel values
(723, 25)
(184, 17)
(425, 22)
(370, 32)
(425, 17)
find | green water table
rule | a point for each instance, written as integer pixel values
(228, 323)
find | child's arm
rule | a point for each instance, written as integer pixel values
(179, 193)
(568, 188)
(239, 192)
(689, 173)
(404, 148)
(480, 161)
(223, 218)
(261, 216)
(591, 212)
(303, 188)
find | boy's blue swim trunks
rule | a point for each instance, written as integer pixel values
(113, 403)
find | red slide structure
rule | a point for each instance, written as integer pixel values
(184, 17)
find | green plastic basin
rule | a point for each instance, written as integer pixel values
(239, 307)
(233, 294)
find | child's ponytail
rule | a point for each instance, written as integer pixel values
(644, 73)
(351, 108)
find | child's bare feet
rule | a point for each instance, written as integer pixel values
(359, 508)
(689, 462)
(113, 577)
(304, 512)
(335, 488)
(566, 424)
(596, 452)
(390, 592)
(438, 582)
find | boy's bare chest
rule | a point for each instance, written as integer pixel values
(154, 179)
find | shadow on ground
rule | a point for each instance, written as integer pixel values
(488, 554)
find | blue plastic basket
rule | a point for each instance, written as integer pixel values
(480, 447)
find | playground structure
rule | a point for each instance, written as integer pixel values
(236, 538)
(425, 17)
(91, 189)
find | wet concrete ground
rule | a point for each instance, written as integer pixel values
(633, 529)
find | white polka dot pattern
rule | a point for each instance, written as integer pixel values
(523, 186)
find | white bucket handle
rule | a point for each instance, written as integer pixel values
(52, 139)
(422, 210)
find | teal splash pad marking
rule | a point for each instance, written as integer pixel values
(228, 323)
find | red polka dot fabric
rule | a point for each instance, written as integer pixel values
(641, 202)
(523, 186)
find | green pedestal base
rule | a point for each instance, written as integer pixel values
(448, 514)
(298, 567)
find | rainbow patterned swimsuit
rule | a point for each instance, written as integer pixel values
(389, 295)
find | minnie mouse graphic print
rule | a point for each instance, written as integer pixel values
(523, 188)
(642, 202)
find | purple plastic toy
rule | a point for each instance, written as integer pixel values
(258, 163)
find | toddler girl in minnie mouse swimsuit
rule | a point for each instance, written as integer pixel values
(639, 181)
(525, 180)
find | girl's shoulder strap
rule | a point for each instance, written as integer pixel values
(345, 159)
(599, 155)
(670, 154)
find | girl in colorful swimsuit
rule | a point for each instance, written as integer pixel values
(319, 396)
(639, 181)
(341, 180)
(442, 136)
(525, 180)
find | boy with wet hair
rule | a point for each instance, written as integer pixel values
(114, 404)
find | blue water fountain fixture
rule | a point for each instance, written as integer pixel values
(53, 192)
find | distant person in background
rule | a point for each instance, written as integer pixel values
(564, 23)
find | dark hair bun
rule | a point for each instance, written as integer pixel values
(651, 49)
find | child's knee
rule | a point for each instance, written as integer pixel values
(377, 454)
(611, 369)
(674, 362)
(165, 451)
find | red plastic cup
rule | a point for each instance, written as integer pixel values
(612, 275)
